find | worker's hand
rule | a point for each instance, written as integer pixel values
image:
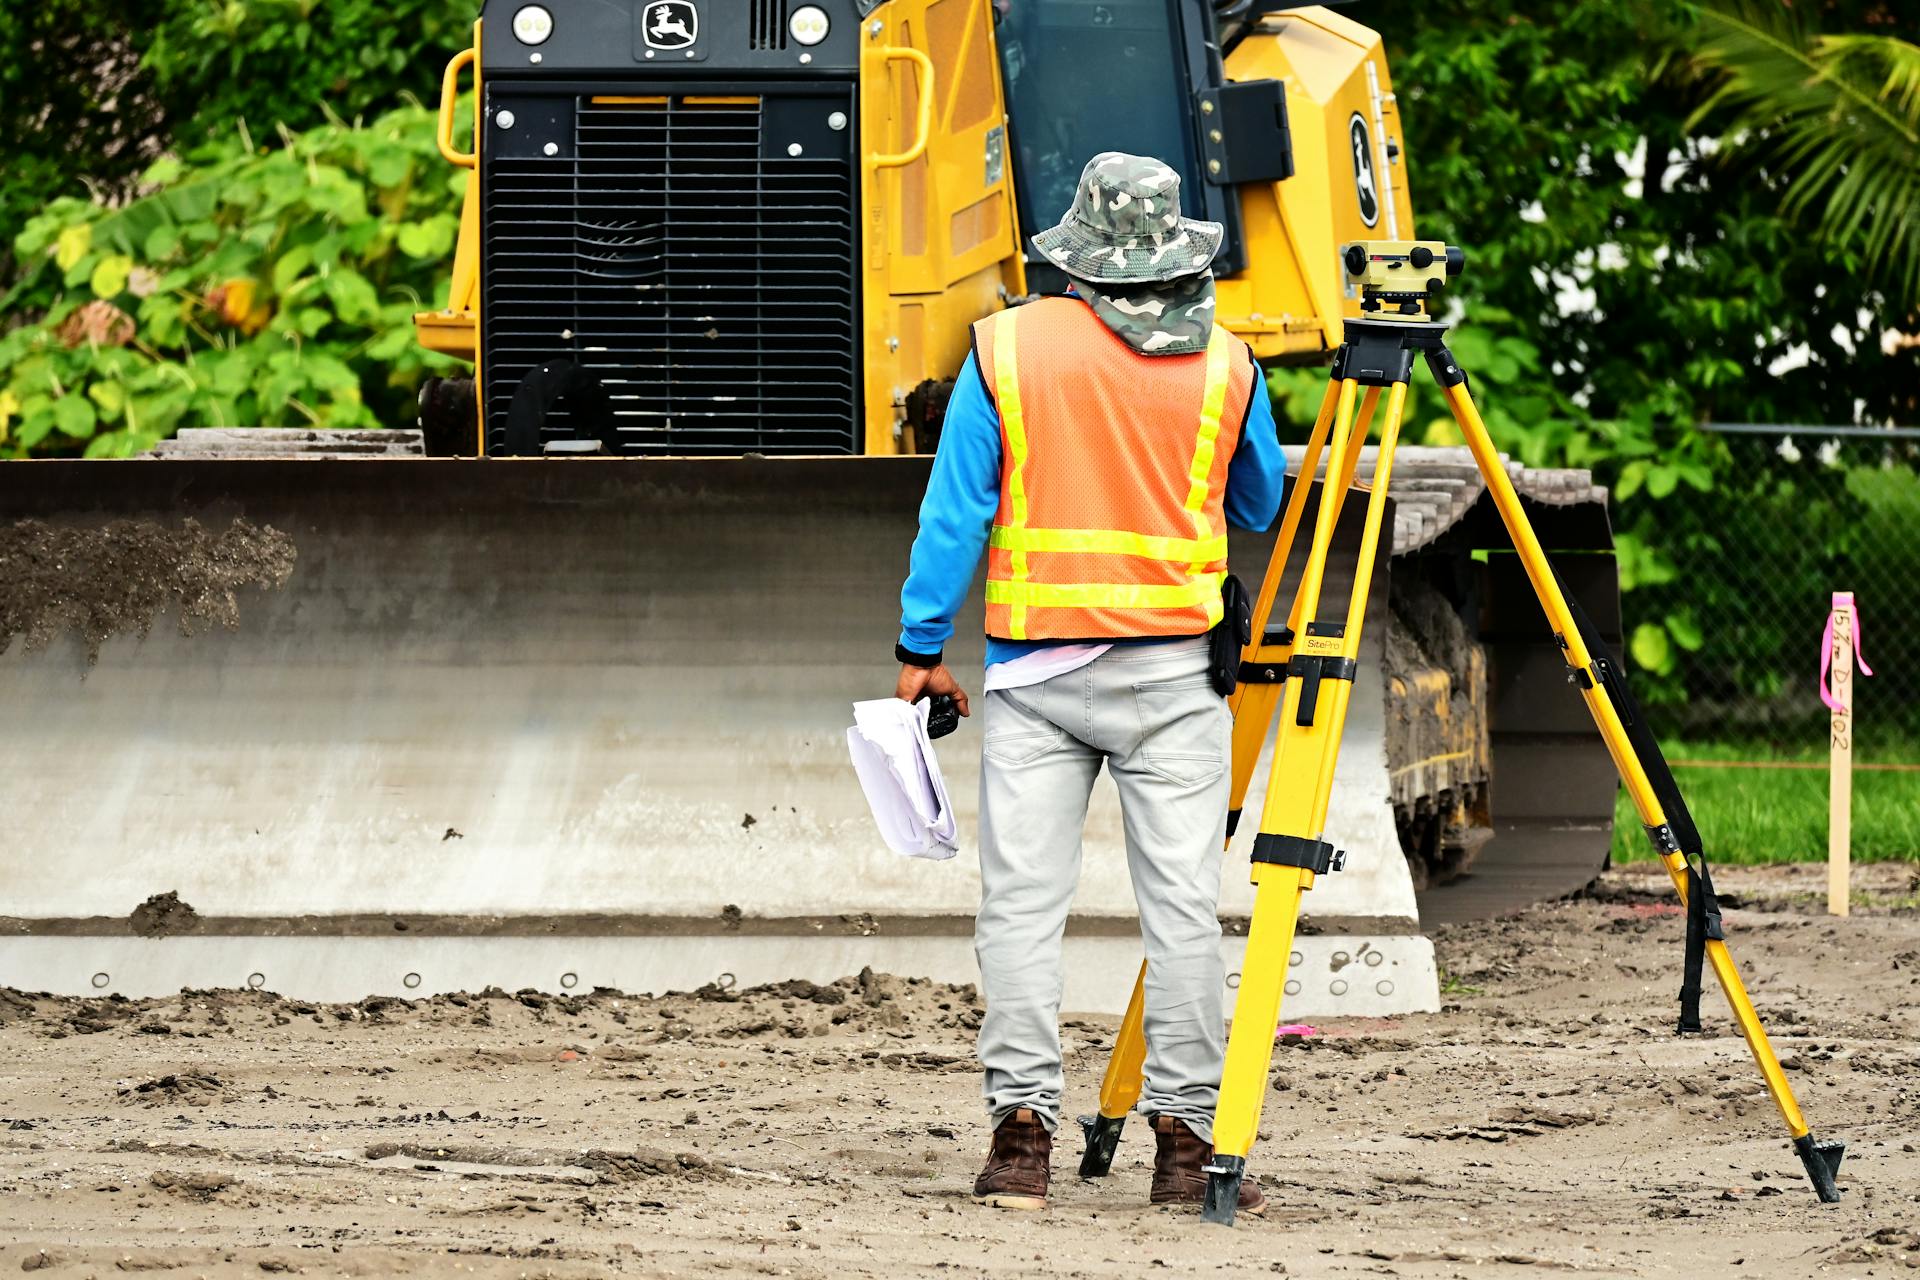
(924, 682)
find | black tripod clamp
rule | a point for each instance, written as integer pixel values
(1379, 353)
(1316, 856)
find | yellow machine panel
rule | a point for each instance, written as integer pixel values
(941, 243)
(1349, 182)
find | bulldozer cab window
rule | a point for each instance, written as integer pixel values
(1086, 76)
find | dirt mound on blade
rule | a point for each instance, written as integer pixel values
(163, 915)
(117, 578)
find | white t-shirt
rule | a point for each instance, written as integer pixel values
(1041, 664)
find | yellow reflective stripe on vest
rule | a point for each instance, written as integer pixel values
(1096, 595)
(1212, 404)
(1006, 382)
(1116, 542)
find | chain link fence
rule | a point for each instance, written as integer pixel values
(1730, 590)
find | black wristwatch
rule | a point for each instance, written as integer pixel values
(912, 659)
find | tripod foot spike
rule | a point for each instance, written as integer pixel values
(1103, 1139)
(1822, 1160)
(1224, 1175)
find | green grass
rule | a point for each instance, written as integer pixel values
(1780, 815)
(1451, 984)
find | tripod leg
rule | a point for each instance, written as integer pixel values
(1289, 526)
(1821, 1159)
(1252, 707)
(1120, 1089)
(1264, 663)
(1289, 852)
(1256, 1012)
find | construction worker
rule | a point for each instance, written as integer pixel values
(1096, 447)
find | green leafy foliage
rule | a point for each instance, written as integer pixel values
(92, 91)
(251, 288)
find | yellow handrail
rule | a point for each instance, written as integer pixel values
(449, 94)
(923, 82)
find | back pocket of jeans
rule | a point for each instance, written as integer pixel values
(1022, 748)
(1184, 729)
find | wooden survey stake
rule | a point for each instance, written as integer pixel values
(1841, 647)
(1840, 755)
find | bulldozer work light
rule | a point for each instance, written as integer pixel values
(532, 25)
(808, 25)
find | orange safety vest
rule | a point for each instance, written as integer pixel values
(1113, 476)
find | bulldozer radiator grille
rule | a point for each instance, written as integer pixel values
(678, 250)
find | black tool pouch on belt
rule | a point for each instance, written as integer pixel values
(1229, 636)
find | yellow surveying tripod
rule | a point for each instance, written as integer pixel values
(1307, 667)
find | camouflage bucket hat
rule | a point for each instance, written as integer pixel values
(1125, 225)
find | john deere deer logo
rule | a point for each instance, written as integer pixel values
(1365, 186)
(670, 24)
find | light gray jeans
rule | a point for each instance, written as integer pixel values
(1149, 711)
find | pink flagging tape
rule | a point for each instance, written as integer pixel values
(1842, 602)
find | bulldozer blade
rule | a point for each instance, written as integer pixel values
(483, 688)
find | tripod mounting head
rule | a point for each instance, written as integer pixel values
(1396, 279)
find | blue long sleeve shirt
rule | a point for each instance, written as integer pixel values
(963, 496)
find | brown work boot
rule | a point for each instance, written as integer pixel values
(1018, 1165)
(1179, 1168)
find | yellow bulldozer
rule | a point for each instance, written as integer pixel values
(766, 226)
(569, 666)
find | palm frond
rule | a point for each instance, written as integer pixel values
(1838, 116)
(1865, 57)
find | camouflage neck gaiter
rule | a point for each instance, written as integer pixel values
(1164, 318)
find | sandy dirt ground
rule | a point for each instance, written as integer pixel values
(1547, 1120)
